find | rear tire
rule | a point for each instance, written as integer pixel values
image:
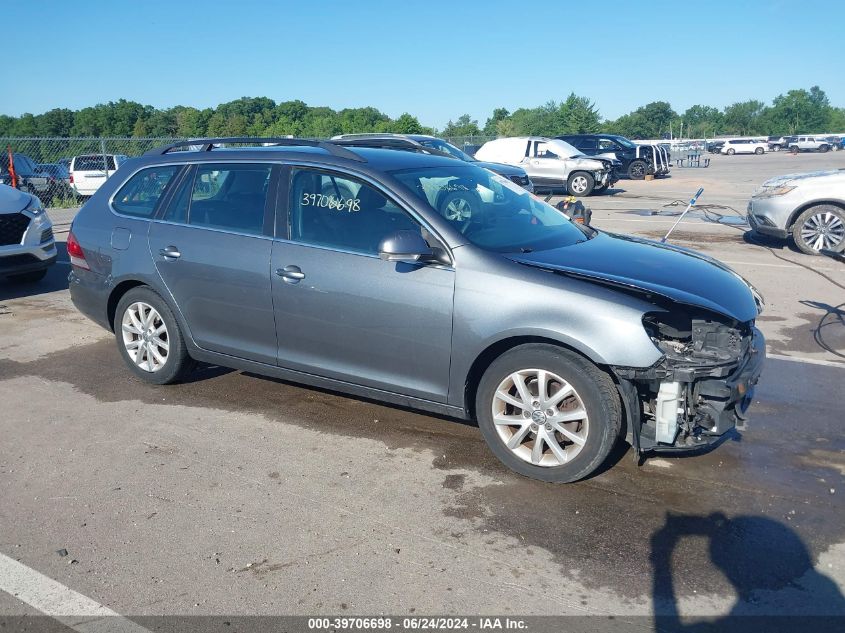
(592, 406)
(758, 151)
(637, 170)
(144, 346)
(580, 184)
(731, 151)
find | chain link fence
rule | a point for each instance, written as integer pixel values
(42, 165)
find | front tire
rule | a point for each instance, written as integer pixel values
(731, 151)
(580, 184)
(548, 413)
(149, 338)
(824, 148)
(820, 227)
(758, 151)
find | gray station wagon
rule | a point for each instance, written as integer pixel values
(344, 268)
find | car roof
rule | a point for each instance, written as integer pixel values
(377, 159)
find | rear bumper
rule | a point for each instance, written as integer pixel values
(89, 295)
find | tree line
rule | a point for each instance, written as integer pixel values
(798, 111)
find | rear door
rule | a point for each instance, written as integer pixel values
(212, 248)
(344, 313)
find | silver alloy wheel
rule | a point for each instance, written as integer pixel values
(540, 417)
(823, 230)
(145, 336)
(458, 210)
(579, 184)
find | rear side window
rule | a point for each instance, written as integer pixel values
(94, 162)
(229, 196)
(141, 193)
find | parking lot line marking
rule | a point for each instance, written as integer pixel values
(810, 361)
(796, 265)
(52, 598)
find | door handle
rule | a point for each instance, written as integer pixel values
(291, 274)
(170, 253)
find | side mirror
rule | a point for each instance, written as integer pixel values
(404, 246)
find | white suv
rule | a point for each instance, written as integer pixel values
(809, 144)
(552, 164)
(88, 172)
(744, 146)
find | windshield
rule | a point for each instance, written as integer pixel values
(443, 146)
(625, 142)
(491, 211)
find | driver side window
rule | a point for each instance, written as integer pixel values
(343, 213)
(542, 150)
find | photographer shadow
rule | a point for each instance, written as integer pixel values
(768, 565)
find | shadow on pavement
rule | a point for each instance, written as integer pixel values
(756, 555)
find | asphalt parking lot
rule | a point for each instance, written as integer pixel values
(238, 494)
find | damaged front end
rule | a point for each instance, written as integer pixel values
(702, 386)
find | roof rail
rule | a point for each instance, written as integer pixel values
(207, 144)
(389, 142)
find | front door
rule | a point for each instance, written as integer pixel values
(343, 313)
(545, 168)
(212, 249)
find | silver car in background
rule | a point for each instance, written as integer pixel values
(27, 246)
(808, 207)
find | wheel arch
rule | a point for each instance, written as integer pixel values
(117, 294)
(497, 348)
(813, 203)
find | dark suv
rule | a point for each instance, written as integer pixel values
(28, 177)
(350, 268)
(637, 160)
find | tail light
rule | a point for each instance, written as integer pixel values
(71, 177)
(75, 252)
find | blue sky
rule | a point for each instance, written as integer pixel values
(436, 59)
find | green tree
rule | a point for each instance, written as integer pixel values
(701, 121)
(407, 124)
(464, 126)
(744, 117)
(491, 126)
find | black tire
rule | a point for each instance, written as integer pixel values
(581, 180)
(637, 169)
(593, 386)
(824, 148)
(759, 151)
(178, 363)
(731, 151)
(797, 228)
(794, 149)
(28, 278)
(775, 148)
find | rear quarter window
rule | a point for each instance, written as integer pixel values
(141, 193)
(93, 163)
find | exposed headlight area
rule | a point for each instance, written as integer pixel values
(702, 385)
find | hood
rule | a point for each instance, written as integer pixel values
(501, 168)
(670, 271)
(13, 200)
(588, 162)
(779, 181)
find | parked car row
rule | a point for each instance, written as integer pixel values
(81, 175)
